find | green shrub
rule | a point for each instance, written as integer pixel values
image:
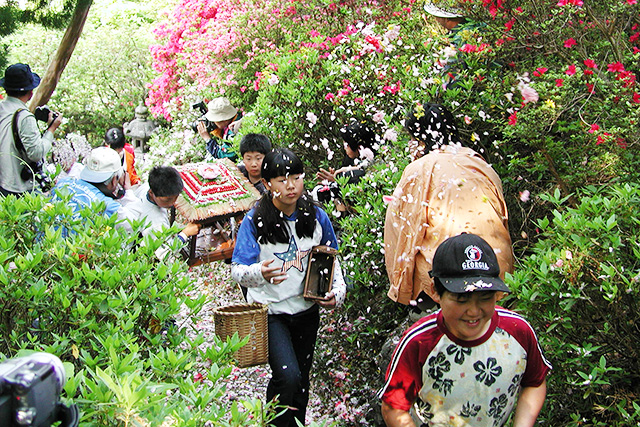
(351, 338)
(580, 290)
(102, 303)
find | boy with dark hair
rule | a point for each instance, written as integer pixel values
(253, 148)
(360, 144)
(115, 139)
(165, 185)
(471, 362)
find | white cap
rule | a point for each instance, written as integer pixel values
(432, 9)
(220, 109)
(101, 164)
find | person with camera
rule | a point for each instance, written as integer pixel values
(219, 124)
(22, 146)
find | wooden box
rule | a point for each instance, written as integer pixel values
(319, 279)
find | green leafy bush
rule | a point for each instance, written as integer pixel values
(101, 302)
(580, 289)
(352, 337)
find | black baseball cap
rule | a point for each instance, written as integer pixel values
(466, 263)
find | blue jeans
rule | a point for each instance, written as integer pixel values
(292, 340)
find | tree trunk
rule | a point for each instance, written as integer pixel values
(63, 55)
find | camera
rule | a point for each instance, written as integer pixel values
(42, 114)
(202, 107)
(30, 389)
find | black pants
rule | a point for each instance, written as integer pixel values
(292, 340)
(4, 192)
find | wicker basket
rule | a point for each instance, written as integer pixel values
(245, 319)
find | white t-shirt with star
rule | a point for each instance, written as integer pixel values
(292, 257)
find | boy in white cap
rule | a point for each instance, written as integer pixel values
(227, 119)
(472, 362)
(98, 182)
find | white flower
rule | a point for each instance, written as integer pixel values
(449, 52)
(529, 94)
(393, 32)
(391, 135)
(311, 118)
(366, 154)
(377, 117)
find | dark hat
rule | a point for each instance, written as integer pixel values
(466, 263)
(18, 77)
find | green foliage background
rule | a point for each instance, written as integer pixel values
(108, 72)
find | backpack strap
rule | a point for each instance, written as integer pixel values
(16, 135)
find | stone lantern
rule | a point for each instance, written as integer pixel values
(140, 128)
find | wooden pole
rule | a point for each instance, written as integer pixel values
(63, 55)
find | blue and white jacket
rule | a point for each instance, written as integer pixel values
(285, 297)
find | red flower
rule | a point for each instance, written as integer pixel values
(615, 67)
(588, 72)
(571, 70)
(540, 71)
(590, 87)
(594, 127)
(636, 97)
(590, 63)
(602, 138)
(509, 24)
(329, 96)
(570, 42)
(374, 42)
(513, 119)
(559, 82)
(468, 48)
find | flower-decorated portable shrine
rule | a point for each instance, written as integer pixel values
(215, 195)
